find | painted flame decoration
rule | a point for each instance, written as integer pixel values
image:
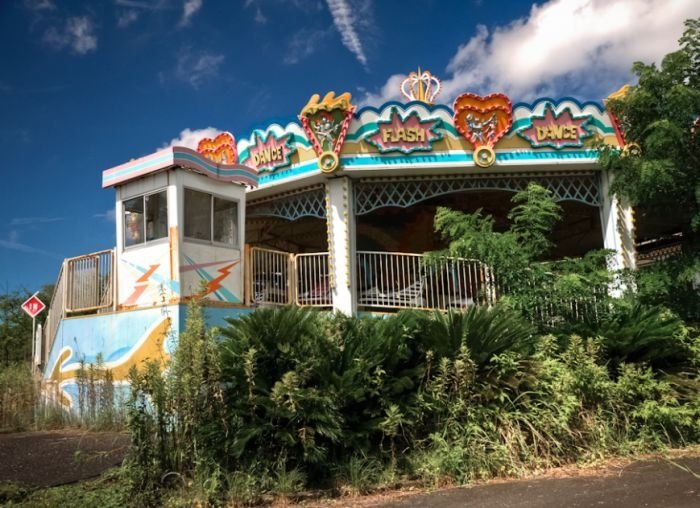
(221, 149)
(326, 124)
(421, 86)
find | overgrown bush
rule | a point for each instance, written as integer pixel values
(551, 294)
(174, 417)
(292, 398)
(673, 283)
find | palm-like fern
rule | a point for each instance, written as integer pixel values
(486, 332)
(636, 334)
(276, 365)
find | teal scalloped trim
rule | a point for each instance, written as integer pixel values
(135, 168)
(278, 175)
(355, 161)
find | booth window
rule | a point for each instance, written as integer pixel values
(145, 218)
(210, 218)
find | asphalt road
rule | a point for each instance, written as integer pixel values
(655, 483)
(47, 459)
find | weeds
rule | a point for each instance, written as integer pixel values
(292, 399)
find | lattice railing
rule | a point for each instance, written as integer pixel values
(374, 193)
(310, 202)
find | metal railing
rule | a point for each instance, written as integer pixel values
(313, 286)
(270, 276)
(549, 312)
(89, 282)
(85, 284)
(282, 278)
(54, 316)
(400, 280)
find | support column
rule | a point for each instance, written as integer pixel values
(617, 223)
(340, 222)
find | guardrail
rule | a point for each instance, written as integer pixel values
(55, 314)
(400, 280)
(282, 278)
(85, 284)
(270, 276)
(313, 285)
(90, 282)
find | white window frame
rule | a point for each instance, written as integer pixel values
(145, 216)
(212, 195)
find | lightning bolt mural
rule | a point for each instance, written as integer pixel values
(214, 284)
(141, 285)
(148, 275)
(224, 272)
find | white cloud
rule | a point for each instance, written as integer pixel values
(12, 243)
(564, 47)
(23, 221)
(78, 34)
(190, 138)
(345, 22)
(126, 18)
(189, 9)
(40, 5)
(197, 68)
(108, 215)
(303, 44)
(259, 18)
(390, 91)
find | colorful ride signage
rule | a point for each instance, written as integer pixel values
(270, 153)
(556, 130)
(326, 124)
(404, 134)
(483, 121)
(221, 149)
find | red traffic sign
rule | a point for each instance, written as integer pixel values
(33, 306)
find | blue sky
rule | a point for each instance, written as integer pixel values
(89, 85)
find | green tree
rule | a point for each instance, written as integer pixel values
(546, 292)
(16, 325)
(510, 252)
(660, 114)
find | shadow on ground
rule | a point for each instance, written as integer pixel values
(47, 459)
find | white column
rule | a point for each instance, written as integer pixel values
(340, 221)
(617, 223)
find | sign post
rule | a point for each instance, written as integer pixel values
(33, 306)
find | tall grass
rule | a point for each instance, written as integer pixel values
(18, 397)
(23, 406)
